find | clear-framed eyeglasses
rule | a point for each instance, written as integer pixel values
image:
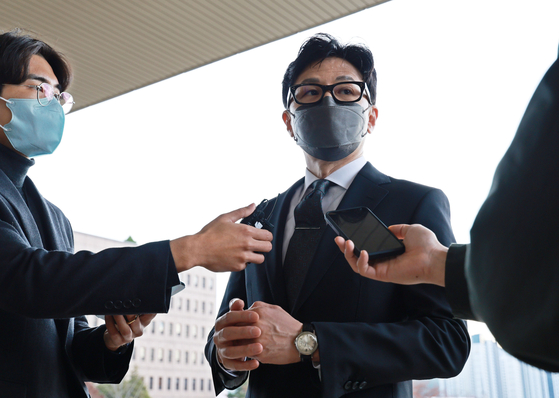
(343, 92)
(46, 93)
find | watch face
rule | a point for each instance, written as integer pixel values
(306, 343)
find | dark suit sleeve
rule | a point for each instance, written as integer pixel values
(429, 343)
(221, 379)
(456, 286)
(513, 264)
(58, 284)
(92, 360)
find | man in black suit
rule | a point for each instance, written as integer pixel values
(313, 327)
(46, 346)
(508, 275)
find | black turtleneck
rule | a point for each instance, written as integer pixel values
(15, 166)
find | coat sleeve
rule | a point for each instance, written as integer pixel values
(456, 286)
(222, 379)
(429, 343)
(38, 283)
(92, 359)
(513, 264)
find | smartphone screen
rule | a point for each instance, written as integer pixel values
(366, 231)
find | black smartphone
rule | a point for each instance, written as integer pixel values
(367, 232)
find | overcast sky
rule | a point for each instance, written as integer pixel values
(454, 78)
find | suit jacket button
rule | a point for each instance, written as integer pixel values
(127, 304)
(347, 386)
(118, 304)
(109, 305)
(355, 386)
(362, 385)
(136, 303)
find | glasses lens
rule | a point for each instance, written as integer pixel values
(67, 101)
(308, 94)
(45, 94)
(347, 92)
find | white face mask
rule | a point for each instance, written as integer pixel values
(328, 130)
(34, 129)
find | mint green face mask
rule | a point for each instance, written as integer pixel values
(34, 129)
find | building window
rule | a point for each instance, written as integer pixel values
(209, 384)
(193, 384)
(201, 384)
(151, 383)
(195, 305)
(186, 357)
(194, 357)
(160, 354)
(211, 306)
(152, 354)
(195, 280)
(177, 356)
(170, 328)
(194, 331)
(186, 330)
(188, 304)
(161, 327)
(203, 283)
(168, 383)
(179, 303)
(178, 329)
(211, 283)
(203, 307)
(188, 280)
(203, 332)
(142, 353)
(170, 355)
(153, 327)
(161, 383)
(178, 384)
(185, 384)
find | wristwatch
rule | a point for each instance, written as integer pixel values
(306, 342)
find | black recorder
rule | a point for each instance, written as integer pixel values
(367, 232)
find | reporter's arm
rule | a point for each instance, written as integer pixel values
(223, 245)
(457, 291)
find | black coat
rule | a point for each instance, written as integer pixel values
(45, 289)
(508, 276)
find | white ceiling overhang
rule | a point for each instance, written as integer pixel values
(119, 46)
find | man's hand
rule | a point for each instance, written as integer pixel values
(423, 261)
(234, 338)
(122, 329)
(223, 245)
(279, 330)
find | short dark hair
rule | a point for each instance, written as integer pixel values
(322, 46)
(16, 50)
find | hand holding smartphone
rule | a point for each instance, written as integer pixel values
(367, 232)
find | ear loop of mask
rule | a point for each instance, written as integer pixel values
(9, 102)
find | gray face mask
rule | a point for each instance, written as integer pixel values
(328, 130)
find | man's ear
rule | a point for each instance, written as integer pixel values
(373, 115)
(286, 116)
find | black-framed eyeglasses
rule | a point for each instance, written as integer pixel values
(342, 92)
(46, 93)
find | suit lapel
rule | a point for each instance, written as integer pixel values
(274, 261)
(20, 208)
(365, 190)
